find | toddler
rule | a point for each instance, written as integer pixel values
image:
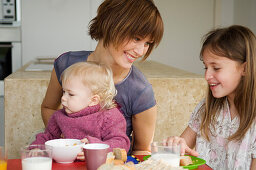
(89, 112)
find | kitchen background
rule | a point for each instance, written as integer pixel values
(47, 28)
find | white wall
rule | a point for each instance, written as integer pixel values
(224, 13)
(245, 13)
(185, 22)
(51, 27)
(241, 12)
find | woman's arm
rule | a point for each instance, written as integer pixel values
(143, 131)
(253, 164)
(52, 98)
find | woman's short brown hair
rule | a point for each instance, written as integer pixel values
(119, 20)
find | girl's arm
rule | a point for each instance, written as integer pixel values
(187, 140)
(52, 98)
(190, 137)
(143, 131)
(253, 164)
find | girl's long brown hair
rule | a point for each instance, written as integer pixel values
(237, 43)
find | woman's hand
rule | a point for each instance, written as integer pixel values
(80, 155)
(175, 140)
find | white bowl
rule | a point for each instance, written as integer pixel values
(65, 150)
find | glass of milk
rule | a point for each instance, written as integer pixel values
(36, 157)
(168, 154)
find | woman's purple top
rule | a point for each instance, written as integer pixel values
(134, 93)
(98, 126)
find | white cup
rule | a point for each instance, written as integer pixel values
(36, 157)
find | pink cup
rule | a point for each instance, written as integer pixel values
(95, 155)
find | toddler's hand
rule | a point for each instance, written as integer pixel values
(175, 140)
(80, 156)
(62, 136)
(85, 140)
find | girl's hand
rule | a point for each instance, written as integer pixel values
(80, 155)
(175, 140)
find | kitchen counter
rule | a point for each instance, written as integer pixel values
(176, 91)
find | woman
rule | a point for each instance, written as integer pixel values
(125, 30)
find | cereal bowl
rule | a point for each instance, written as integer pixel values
(65, 150)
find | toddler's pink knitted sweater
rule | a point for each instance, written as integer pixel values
(98, 126)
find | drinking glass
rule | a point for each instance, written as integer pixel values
(36, 157)
(169, 154)
(3, 159)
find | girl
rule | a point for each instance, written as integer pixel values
(126, 30)
(89, 112)
(223, 127)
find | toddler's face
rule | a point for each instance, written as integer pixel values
(222, 74)
(76, 96)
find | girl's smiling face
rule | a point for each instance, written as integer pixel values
(222, 74)
(129, 51)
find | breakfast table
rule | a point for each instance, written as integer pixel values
(15, 164)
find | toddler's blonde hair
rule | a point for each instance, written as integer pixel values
(97, 77)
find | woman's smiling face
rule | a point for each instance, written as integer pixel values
(129, 51)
